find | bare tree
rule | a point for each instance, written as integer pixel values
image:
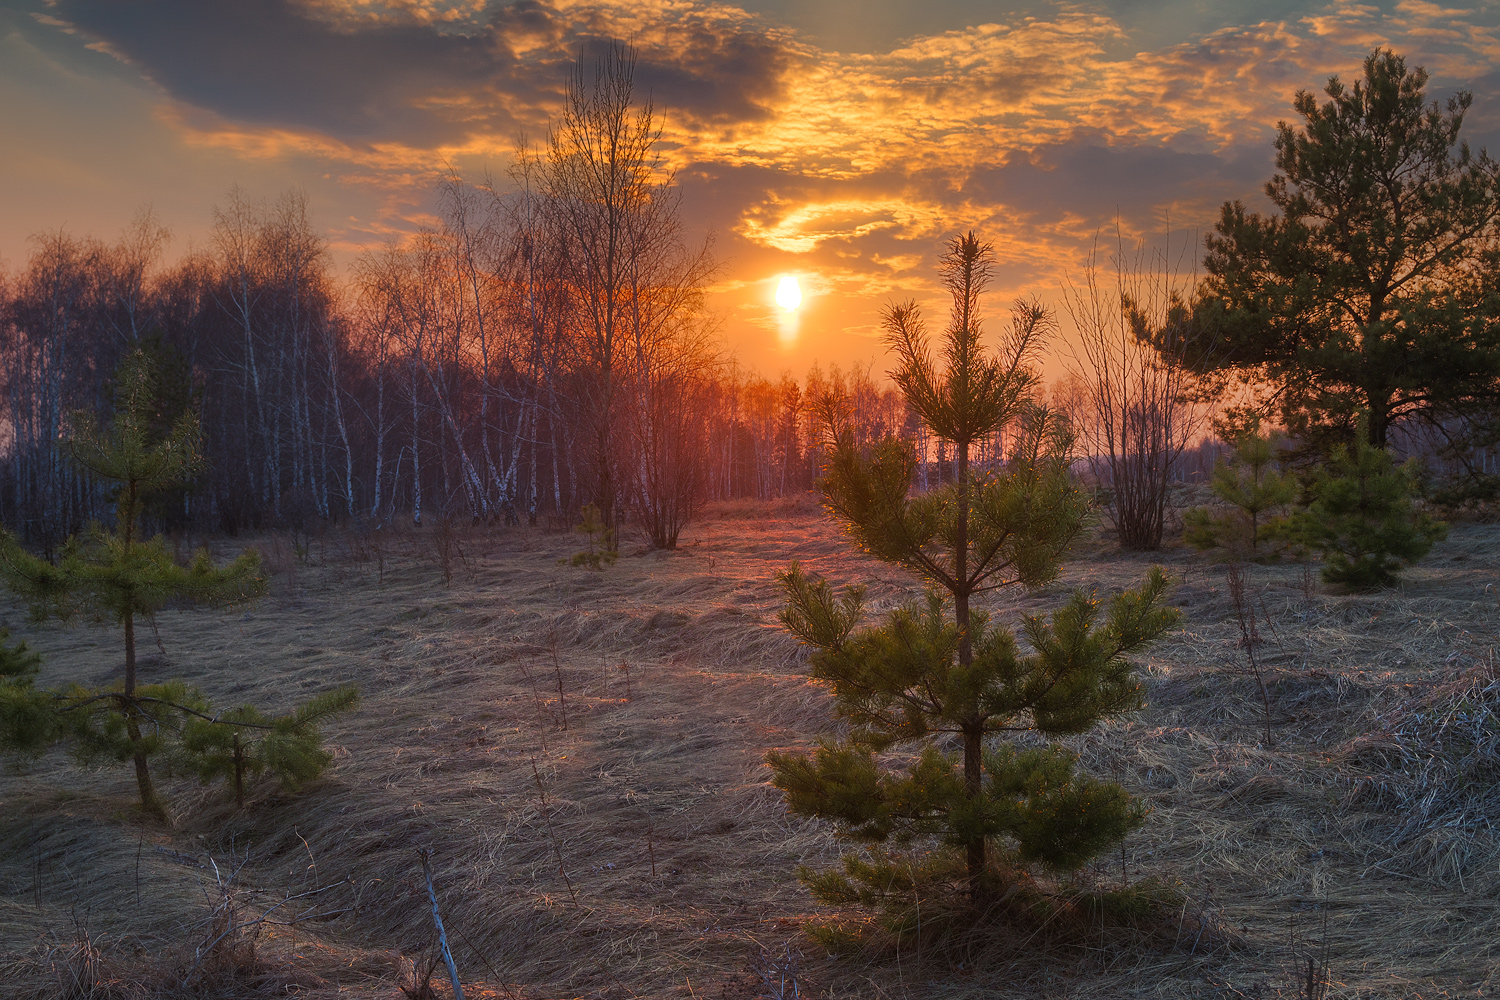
(624, 262)
(1135, 417)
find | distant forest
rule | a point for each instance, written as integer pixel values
(444, 379)
(546, 345)
(450, 376)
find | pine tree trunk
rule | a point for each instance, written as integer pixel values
(149, 801)
(974, 732)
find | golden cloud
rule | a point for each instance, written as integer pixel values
(870, 149)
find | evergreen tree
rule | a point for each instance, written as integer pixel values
(938, 673)
(1362, 517)
(1252, 485)
(243, 743)
(1372, 287)
(603, 550)
(117, 577)
(27, 722)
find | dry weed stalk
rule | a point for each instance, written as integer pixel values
(82, 976)
(650, 843)
(779, 971)
(552, 834)
(536, 698)
(562, 698)
(420, 976)
(1244, 611)
(445, 543)
(228, 946)
(1310, 973)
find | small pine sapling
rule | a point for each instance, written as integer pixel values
(242, 744)
(1362, 518)
(118, 577)
(938, 678)
(601, 551)
(28, 716)
(1255, 490)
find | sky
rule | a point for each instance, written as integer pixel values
(840, 141)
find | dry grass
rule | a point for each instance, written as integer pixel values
(1373, 807)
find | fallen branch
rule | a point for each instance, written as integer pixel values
(437, 920)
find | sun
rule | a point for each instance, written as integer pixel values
(788, 293)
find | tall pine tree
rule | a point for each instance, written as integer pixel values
(1371, 286)
(938, 674)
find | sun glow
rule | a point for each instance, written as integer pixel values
(788, 293)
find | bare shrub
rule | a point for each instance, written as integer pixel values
(1244, 613)
(779, 971)
(1132, 410)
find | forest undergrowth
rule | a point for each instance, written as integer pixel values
(581, 753)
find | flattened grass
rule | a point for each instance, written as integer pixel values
(1373, 805)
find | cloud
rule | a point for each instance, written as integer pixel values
(1040, 131)
(420, 73)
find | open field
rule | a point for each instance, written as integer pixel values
(1361, 836)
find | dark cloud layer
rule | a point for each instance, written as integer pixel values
(415, 81)
(265, 62)
(1097, 179)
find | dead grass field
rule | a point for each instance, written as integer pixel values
(1362, 835)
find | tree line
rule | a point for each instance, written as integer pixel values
(545, 344)
(432, 384)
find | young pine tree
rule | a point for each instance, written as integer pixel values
(27, 722)
(242, 744)
(1362, 518)
(1254, 488)
(939, 674)
(117, 577)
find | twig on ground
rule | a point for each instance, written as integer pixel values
(551, 834)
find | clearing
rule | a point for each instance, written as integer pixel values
(1361, 838)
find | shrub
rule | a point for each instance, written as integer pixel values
(1362, 518)
(1254, 488)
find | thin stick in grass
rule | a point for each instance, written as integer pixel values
(551, 834)
(537, 699)
(442, 935)
(562, 698)
(650, 844)
(1234, 576)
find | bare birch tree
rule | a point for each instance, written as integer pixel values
(624, 262)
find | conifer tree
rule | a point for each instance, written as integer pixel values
(27, 723)
(938, 672)
(1362, 517)
(1370, 284)
(117, 577)
(1254, 487)
(243, 743)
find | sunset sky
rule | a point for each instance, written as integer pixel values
(838, 140)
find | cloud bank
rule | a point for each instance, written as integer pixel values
(1040, 131)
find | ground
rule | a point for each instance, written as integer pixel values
(581, 752)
